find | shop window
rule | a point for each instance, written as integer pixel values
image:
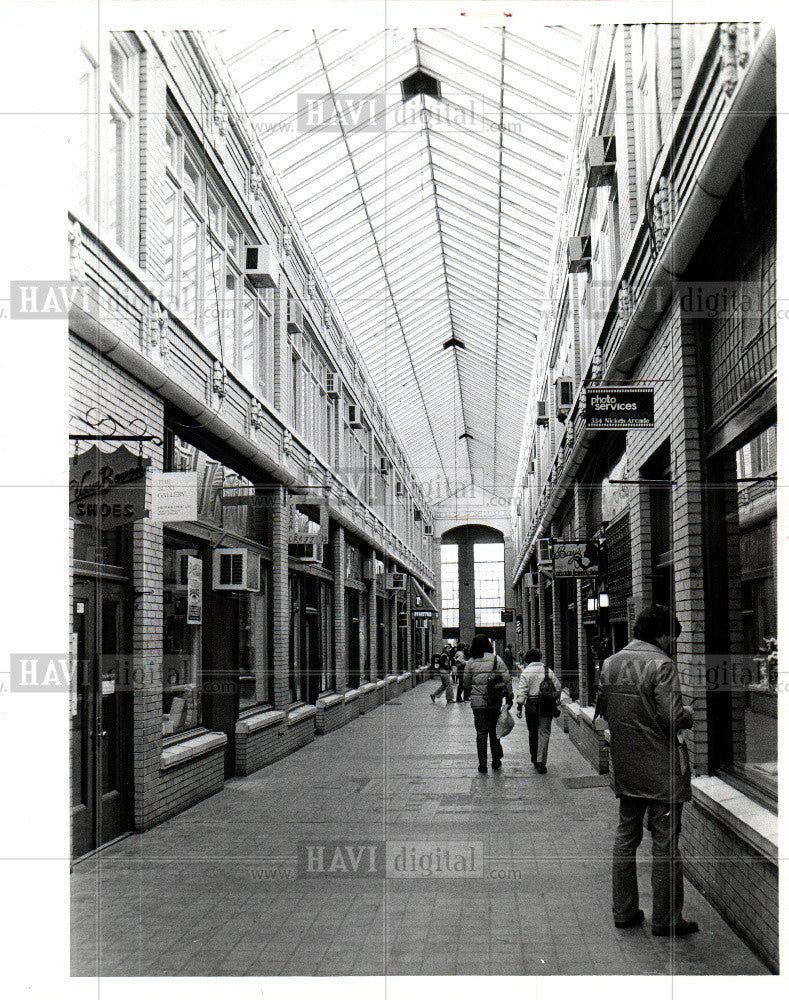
(254, 661)
(450, 594)
(182, 636)
(743, 681)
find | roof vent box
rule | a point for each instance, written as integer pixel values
(420, 83)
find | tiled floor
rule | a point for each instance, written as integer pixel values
(222, 889)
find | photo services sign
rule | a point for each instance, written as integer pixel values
(620, 408)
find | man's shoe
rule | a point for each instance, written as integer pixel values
(496, 765)
(541, 769)
(632, 921)
(483, 768)
(680, 929)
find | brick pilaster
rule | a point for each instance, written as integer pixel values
(280, 615)
(340, 658)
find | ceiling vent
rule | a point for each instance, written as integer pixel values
(420, 83)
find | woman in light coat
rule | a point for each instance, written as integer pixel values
(528, 693)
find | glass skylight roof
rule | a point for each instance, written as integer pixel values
(429, 219)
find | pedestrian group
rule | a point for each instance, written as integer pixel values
(640, 702)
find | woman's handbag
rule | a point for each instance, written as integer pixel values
(505, 723)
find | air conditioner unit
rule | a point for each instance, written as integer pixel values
(261, 265)
(236, 569)
(295, 317)
(579, 253)
(531, 580)
(532, 467)
(368, 569)
(354, 416)
(307, 553)
(399, 489)
(565, 389)
(542, 412)
(544, 555)
(428, 529)
(518, 509)
(417, 514)
(600, 159)
(384, 466)
(395, 581)
(333, 383)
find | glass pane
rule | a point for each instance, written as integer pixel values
(119, 65)
(182, 637)
(264, 354)
(171, 141)
(213, 316)
(168, 275)
(117, 179)
(248, 335)
(191, 180)
(189, 251)
(82, 164)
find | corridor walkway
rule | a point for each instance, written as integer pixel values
(222, 889)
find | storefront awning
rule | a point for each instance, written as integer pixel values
(419, 599)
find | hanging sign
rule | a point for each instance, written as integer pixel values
(302, 530)
(622, 408)
(174, 496)
(507, 615)
(107, 489)
(426, 615)
(575, 560)
(194, 591)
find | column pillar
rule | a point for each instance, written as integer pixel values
(280, 617)
(372, 622)
(340, 657)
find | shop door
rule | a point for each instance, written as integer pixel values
(221, 676)
(101, 716)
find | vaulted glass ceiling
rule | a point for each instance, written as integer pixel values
(432, 219)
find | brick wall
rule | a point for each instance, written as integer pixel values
(741, 883)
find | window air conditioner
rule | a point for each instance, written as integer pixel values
(236, 569)
(368, 569)
(530, 580)
(295, 317)
(395, 581)
(544, 557)
(354, 416)
(332, 384)
(564, 397)
(532, 467)
(542, 412)
(399, 489)
(261, 265)
(600, 159)
(579, 253)
(428, 529)
(417, 514)
(384, 466)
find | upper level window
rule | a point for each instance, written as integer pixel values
(105, 139)
(646, 118)
(202, 275)
(450, 597)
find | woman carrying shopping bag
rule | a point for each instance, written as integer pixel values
(486, 682)
(538, 690)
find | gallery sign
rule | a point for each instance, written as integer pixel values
(618, 408)
(107, 489)
(575, 560)
(173, 496)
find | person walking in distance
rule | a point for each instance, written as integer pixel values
(445, 673)
(460, 666)
(482, 667)
(641, 701)
(539, 709)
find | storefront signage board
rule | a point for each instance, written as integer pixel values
(174, 496)
(575, 560)
(620, 408)
(107, 489)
